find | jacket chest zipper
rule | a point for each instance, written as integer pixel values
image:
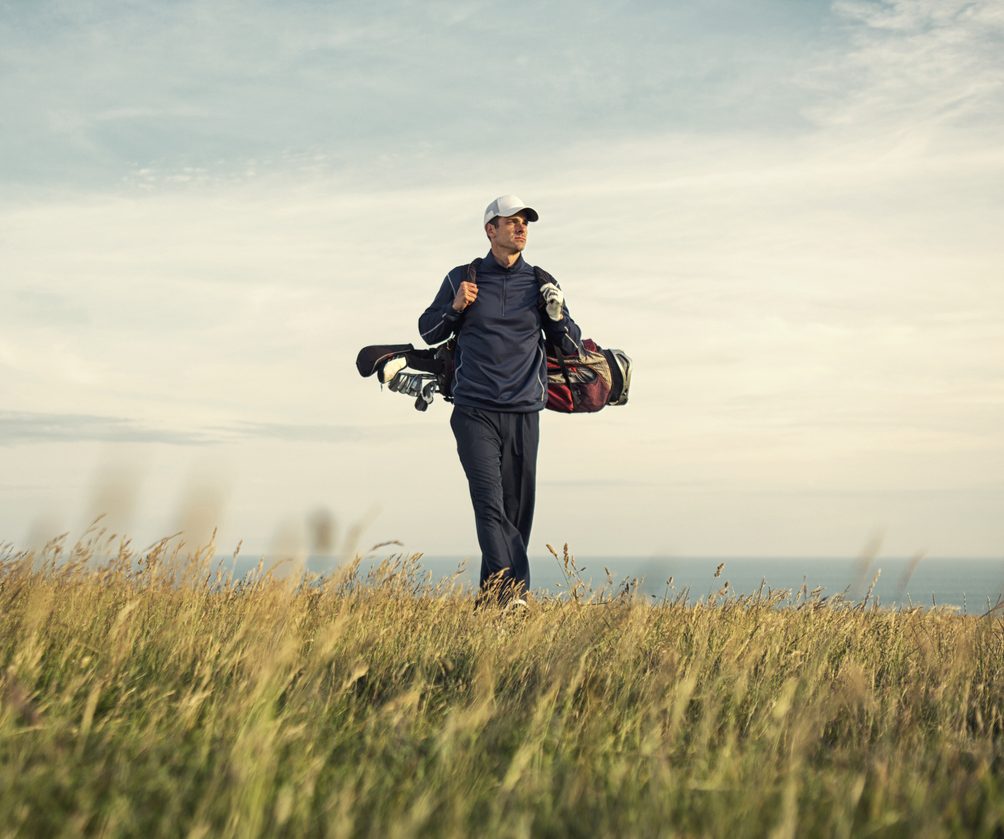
(503, 294)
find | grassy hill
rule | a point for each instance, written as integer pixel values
(151, 695)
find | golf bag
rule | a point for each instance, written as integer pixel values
(431, 370)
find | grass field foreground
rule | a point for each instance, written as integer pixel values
(147, 693)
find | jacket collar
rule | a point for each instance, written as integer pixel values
(491, 264)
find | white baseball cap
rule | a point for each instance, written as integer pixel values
(508, 205)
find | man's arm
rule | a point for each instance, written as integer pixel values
(441, 319)
(564, 333)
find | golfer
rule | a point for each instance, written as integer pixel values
(500, 386)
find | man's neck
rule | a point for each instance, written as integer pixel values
(505, 258)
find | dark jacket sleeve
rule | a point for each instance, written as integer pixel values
(563, 333)
(440, 321)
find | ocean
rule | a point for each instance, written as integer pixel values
(972, 586)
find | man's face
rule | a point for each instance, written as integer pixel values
(510, 235)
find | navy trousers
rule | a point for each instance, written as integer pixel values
(498, 451)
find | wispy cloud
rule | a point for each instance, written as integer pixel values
(25, 427)
(32, 427)
(915, 64)
(294, 433)
(97, 94)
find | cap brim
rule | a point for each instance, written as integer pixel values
(509, 212)
(531, 213)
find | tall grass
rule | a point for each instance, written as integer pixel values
(147, 694)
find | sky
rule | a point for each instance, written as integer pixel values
(787, 213)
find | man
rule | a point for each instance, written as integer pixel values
(500, 386)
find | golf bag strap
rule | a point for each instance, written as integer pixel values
(471, 274)
(543, 278)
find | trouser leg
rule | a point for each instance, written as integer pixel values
(519, 479)
(498, 453)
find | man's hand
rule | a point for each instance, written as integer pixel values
(553, 300)
(466, 294)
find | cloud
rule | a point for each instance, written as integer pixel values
(97, 93)
(293, 433)
(587, 483)
(785, 213)
(24, 427)
(18, 427)
(916, 64)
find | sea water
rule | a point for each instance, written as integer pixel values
(970, 585)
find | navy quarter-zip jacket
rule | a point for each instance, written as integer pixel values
(500, 357)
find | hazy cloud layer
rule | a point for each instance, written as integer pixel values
(21, 427)
(212, 89)
(25, 427)
(788, 214)
(299, 433)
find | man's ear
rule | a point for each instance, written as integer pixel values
(489, 228)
